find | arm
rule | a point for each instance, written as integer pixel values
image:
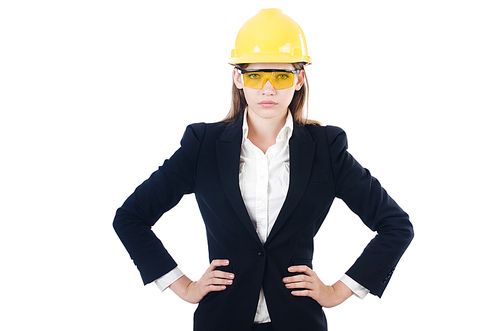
(158, 194)
(364, 195)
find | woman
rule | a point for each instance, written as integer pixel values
(264, 179)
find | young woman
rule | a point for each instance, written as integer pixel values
(264, 179)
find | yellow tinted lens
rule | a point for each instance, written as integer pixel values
(283, 79)
(255, 79)
(279, 79)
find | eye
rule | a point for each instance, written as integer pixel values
(283, 76)
(253, 76)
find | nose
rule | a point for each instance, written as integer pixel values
(268, 88)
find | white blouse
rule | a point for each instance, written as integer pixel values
(264, 181)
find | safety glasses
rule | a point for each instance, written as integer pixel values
(280, 79)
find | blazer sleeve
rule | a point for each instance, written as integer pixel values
(158, 194)
(364, 195)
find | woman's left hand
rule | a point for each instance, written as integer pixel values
(308, 284)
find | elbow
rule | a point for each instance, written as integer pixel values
(116, 225)
(118, 222)
(405, 230)
(407, 233)
(400, 232)
(412, 234)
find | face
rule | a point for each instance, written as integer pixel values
(269, 103)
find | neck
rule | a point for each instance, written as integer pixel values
(263, 132)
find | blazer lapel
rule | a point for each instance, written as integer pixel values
(302, 148)
(228, 149)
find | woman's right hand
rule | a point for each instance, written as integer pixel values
(212, 280)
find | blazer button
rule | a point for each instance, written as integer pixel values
(260, 253)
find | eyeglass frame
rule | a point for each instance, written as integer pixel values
(242, 71)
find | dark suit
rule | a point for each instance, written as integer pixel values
(321, 169)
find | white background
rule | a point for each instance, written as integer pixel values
(94, 95)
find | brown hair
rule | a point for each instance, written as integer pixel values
(239, 103)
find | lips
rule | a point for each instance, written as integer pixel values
(267, 103)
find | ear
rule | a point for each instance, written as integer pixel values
(237, 79)
(300, 80)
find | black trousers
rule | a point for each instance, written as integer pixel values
(262, 327)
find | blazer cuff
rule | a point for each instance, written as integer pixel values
(358, 289)
(166, 280)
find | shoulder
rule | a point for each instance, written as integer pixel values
(332, 134)
(209, 131)
(323, 128)
(215, 126)
(209, 126)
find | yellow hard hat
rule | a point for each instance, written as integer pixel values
(270, 37)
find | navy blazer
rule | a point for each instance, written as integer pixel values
(207, 164)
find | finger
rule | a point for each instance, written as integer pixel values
(293, 279)
(304, 285)
(222, 274)
(209, 285)
(218, 281)
(301, 268)
(303, 293)
(217, 263)
(215, 288)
